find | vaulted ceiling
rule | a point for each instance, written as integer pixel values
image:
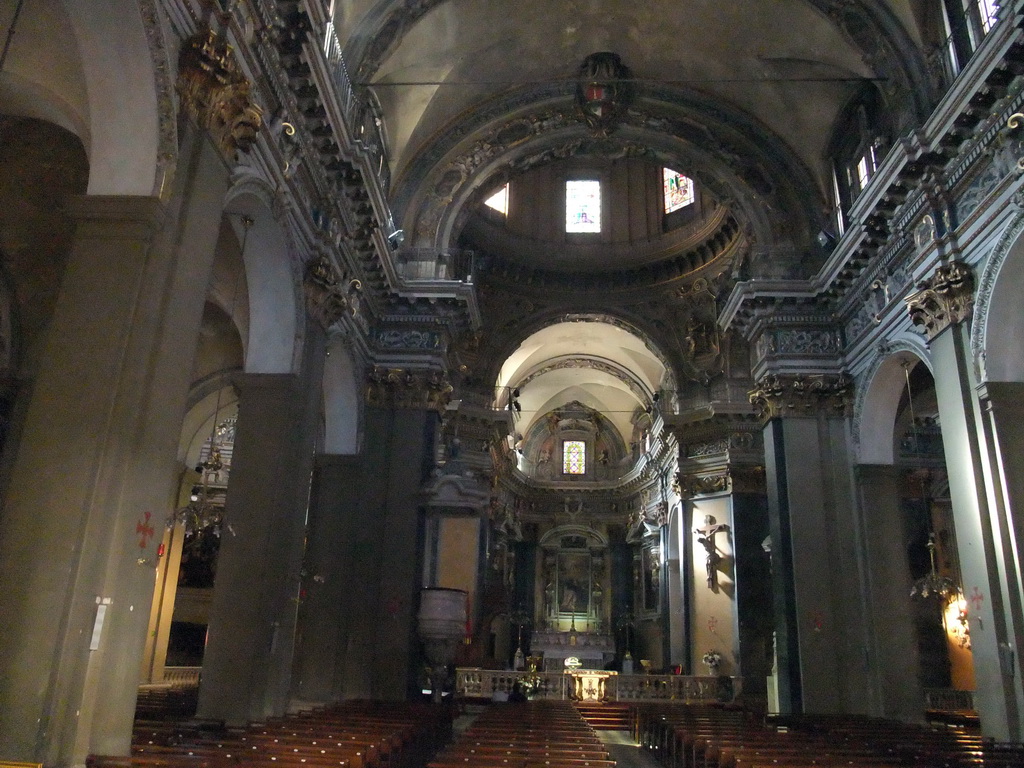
(744, 96)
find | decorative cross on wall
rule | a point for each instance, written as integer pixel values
(144, 530)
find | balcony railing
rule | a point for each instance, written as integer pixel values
(490, 684)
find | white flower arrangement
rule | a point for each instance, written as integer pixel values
(712, 658)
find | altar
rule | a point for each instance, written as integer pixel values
(593, 649)
(590, 685)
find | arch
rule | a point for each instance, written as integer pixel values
(210, 400)
(876, 411)
(997, 355)
(341, 399)
(272, 281)
(124, 66)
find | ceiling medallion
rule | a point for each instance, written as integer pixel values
(604, 89)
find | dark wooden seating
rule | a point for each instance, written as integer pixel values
(542, 734)
(706, 737)
(349, 735)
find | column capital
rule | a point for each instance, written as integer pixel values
(944, 299)
(807, 396)
(427, 390)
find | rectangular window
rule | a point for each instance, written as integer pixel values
(678, 190)
(863, 172)
(988, 10)
(574, 457)
(583, 206)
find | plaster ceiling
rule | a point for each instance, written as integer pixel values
(754, 90)
(596, 363)
(786, 63)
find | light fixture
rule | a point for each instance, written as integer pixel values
(934, 583)
(202, 512)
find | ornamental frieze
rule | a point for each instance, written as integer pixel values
(701, 485)
(215, 93)
(944, 299)
(799, 395)
(815, 342)
(404, 388)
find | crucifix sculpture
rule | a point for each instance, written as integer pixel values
(706, 538)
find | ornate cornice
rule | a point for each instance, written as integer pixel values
(797, 395)
(215, 93)
(944, 299)
(404, 388)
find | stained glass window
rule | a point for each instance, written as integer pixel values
(574, 457)
(678, 190)
(583, 206)
(499, 201)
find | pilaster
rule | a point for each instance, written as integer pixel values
(940, 308)
(94, 474)
(815, 575)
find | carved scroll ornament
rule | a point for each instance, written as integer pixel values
(944, 299)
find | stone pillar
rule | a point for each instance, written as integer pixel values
(895, 687)
(987, 563)
(382, 552)
(248, 660)
(819, 620)
(95, 471)
(753, 581)
(330, 564)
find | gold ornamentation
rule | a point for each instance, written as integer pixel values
(944, 299)
(402, 388)
(216, 94)
(800, 395)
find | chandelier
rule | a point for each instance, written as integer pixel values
(934, 583)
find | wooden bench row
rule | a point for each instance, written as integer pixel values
(350, 735)
(706, 737)
(541, 734)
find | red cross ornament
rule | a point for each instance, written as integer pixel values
(144, 529)
(976, 599)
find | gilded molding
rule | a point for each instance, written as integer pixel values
(944, 299)
(216, 94)
(403, 388)
(800, 395)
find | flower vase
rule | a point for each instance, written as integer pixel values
(713, 670)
